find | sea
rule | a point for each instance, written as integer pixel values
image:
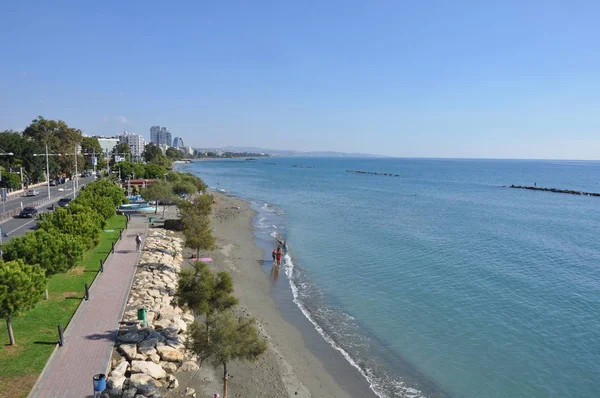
(437, 281)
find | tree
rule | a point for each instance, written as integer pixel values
(21, 287)
(151, 152)
(59, 137)
(229, 339)
(83, 222)
(10, 180)
(160, 191)
(90, 146)
(174, 154)
(55, 252)
(184, 188)
(89, 200)
(198, 233)
(204, 292)
(106, 189)
(23, 149)
(154, 171)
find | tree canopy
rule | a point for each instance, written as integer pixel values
(60, 138)
(21, 287)
(229, 339)
(54, 251)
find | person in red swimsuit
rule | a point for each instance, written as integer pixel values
(278, 255)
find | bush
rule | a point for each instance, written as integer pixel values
(52, 250)
(84, 223)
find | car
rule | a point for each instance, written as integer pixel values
(53, 183)
(33, 192)
(28, 212)
(63, 202)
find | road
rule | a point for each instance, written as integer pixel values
(13, 226)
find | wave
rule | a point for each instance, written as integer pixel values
(366, 372)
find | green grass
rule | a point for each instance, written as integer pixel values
(36, 330)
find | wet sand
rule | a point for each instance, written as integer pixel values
(296, 364)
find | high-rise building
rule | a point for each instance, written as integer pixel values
(178, 142)
(136, 143)
(160, 135)
(154, 133)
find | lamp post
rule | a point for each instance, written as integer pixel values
(47, 166)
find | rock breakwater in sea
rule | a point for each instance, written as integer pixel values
(147, 356)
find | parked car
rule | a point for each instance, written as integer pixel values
(53, 183)
(28, 212)
(63, 202)
(33, 192)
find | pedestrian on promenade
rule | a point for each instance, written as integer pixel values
(138, 242)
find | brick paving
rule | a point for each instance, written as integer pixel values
(90, 336)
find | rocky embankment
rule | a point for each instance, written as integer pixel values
(373, 173)
(147, 356)
(555, 190)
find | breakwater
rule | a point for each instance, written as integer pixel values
(556, 190)
(372, 173)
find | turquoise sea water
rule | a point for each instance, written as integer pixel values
(439, 283)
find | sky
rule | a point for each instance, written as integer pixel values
(503, 79)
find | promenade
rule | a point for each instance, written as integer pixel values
(91, 333)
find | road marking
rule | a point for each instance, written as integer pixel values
(16, 229)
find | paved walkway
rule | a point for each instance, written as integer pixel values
(90, 336)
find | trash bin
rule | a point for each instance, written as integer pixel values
(99, 383)
(151, 220)
(142, 315)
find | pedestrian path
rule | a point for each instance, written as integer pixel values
(90, 336)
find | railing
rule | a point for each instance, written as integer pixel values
(14, 212)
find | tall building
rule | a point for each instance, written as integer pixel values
(135, 141)
(154, 133)
(178, 142)
(160, 136)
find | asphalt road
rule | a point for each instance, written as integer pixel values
(20, 226)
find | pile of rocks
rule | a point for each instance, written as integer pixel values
(148, 355)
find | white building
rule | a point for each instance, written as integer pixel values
(136, 143)
(107, 144)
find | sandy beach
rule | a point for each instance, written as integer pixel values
(288, 368)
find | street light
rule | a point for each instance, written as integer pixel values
(3, 153)
(47, 166)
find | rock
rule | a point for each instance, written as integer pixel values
(130, 393)
(145, 384)
(189, 392)
(153, 293)
(149, 368)
(131, 337)
(188, 366)
(148, 351)
(169, 354)
(154, 357)
(173, 382)
(150, 342)
(115, 383)
(129, 350)
(119, 370)
(189, 318)
(169, 367)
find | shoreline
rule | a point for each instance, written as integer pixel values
(298, 361)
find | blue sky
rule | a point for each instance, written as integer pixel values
(511, 79)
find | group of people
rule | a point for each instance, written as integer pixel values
(277, 255)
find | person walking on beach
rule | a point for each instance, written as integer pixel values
(278, 255)
(274, 255)
(138, 242)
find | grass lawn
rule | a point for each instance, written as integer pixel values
(36, 330)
